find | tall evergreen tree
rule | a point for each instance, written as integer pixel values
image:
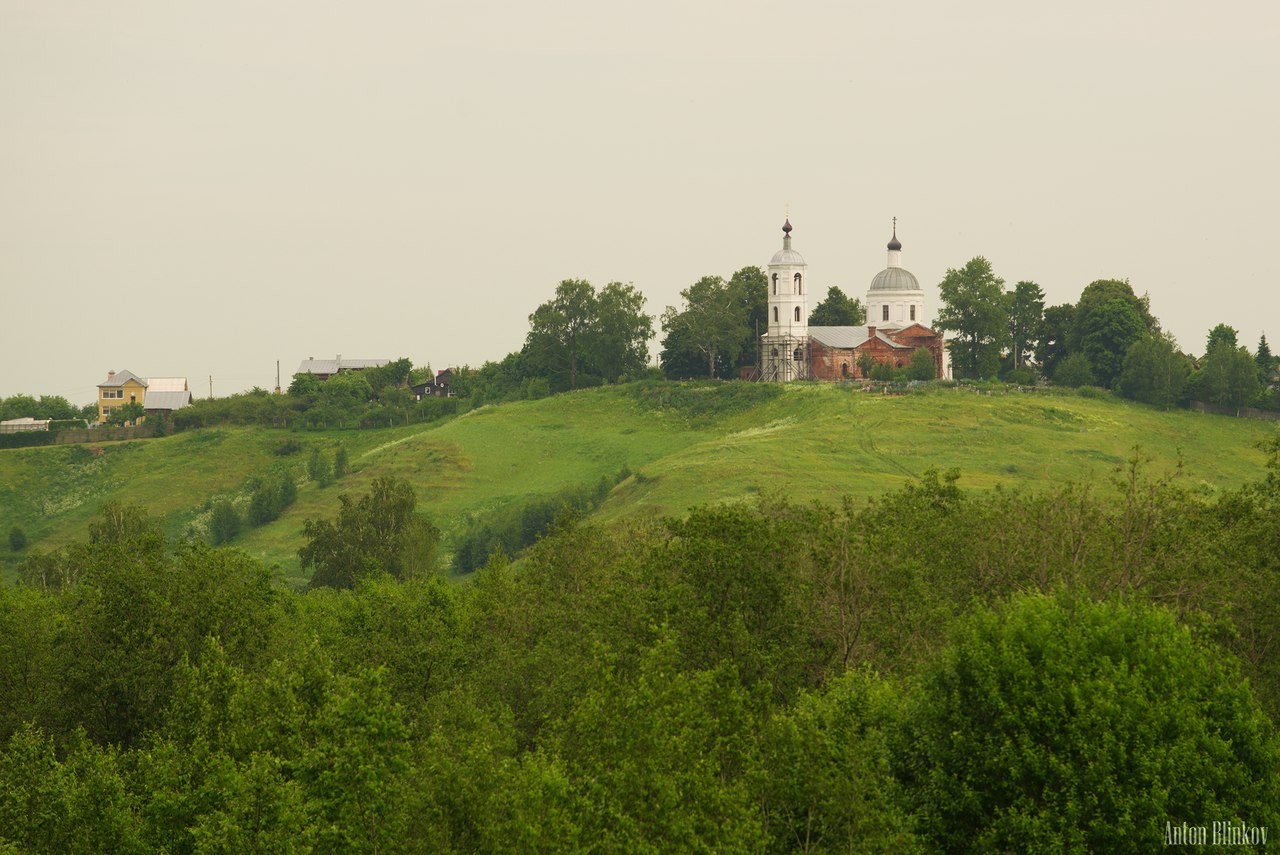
(1266, 362)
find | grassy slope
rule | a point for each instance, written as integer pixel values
(811, 441)
(826, 441)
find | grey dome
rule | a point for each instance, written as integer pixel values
(788, 257)
(894, 279)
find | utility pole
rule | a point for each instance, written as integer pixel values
(277, 377)
(210, 385)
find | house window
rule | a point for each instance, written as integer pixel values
(797, 313)
(913, 312)
(884, 312)
(112, 393)
(799, 288)
(775, 314)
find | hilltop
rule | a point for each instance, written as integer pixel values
(674, 446)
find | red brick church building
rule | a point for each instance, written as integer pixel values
(896, 324)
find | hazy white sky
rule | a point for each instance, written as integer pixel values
(202, 188)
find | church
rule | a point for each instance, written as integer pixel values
(896, 324)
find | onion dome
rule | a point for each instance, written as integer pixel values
(787, 256)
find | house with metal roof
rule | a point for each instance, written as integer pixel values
(166, 384)
(159, 395)
(118, 389)
(323, 369)
(166, 394)
(164, 403)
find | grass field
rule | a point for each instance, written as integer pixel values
(684, 446)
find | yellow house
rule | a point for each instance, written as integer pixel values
(119, 389)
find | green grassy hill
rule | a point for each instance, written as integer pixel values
(683, 445)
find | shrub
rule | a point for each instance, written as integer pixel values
(921, 366)
(23, 439)
(224, 525)
(1021, 377)
(17, 539)
(512, 528)
(318, 469)
(1074, 371)
(537, 387)
(882, 372)
(286, 448)
(270, 497)
(1081, 726)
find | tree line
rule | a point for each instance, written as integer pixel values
(1108, 338)
(930, 670)
(584, 337)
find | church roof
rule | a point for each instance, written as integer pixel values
(788, 257)
(895, 279)
(847, 337)
(839, 336)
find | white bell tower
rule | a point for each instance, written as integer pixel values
(784, 349)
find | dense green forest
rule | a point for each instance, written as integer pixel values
(924, 670)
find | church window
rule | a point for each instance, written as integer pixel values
(797, 313)
(799, 354)
(884, 312)
(775, 284)
(913, 313)
(775, 353)
(799, 286)
(775, 314)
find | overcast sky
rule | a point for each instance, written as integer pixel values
(203, 188)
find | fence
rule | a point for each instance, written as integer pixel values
(1243, 412)
(104, 434)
